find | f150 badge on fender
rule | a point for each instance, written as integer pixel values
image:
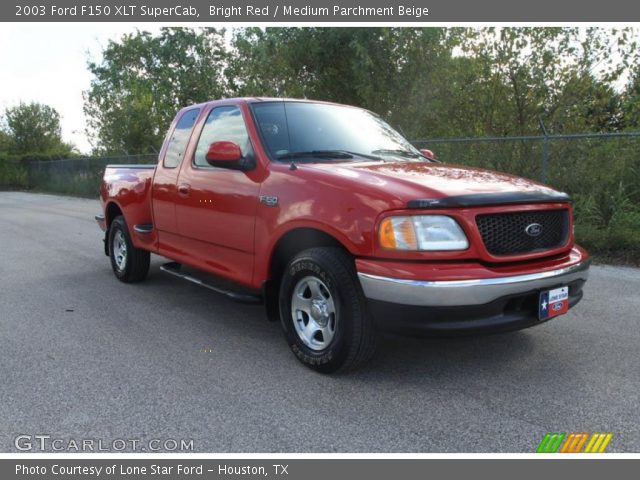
(269, 201)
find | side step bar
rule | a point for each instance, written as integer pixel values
(143, 228)
(175, 269)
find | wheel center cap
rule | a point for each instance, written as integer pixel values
(320, 312)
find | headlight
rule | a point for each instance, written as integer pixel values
(422, 232)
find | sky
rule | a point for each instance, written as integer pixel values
(48, 64)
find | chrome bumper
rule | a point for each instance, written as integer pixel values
(458, 293)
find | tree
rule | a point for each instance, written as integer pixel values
(34, 128)
(586, 104)
(143, 80)
(5, 142)
(532, 73)
(444, 82)
(432, 82)
(375, 68)
(631, 101)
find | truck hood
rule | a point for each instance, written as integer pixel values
(409, 181)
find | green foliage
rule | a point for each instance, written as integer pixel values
(369, 67)
(12, 173)
(143, 80)
(562, 75)
(631, 101)
(6, 142)
(33, 128)
(619, 239)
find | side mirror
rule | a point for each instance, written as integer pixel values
(224, 154)
(428, 153)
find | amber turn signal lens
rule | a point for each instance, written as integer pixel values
(398, 233)
(387, 235)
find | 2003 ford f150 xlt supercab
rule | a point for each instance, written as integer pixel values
(341, 227)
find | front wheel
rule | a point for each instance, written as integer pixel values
(130, 264)
(323, 311)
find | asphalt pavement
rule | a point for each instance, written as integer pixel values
(84, 356)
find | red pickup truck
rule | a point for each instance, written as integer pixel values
(341, 227)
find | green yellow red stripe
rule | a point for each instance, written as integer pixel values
(559, 442)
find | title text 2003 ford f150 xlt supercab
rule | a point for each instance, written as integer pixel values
(341, 227)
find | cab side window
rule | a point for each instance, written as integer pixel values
(180, 138)
(223, 124)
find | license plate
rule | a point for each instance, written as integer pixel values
(553, 303)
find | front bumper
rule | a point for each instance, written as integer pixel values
(467, 306)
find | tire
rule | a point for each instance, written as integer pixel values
(323, 311)
(129, 264)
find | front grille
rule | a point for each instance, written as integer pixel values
(506, 233)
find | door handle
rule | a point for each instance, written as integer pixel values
(184, 190)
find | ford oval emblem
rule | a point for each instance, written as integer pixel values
(533, 229)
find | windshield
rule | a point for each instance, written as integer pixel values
(318, 132)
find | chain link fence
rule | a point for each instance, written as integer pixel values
(541, 157)
(71, 176)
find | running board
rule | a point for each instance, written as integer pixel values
(175, 269)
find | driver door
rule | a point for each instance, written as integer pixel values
(217, 206)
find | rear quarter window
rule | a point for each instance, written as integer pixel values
(180, 138)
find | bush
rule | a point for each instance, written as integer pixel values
(13, 174)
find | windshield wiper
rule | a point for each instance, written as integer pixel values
(399, 152)
(325, 154)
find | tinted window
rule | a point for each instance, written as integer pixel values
(223, 124)
(180, 138)
(289, 127)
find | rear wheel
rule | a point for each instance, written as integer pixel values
(129, 264)
(323, 312)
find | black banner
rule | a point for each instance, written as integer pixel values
(308, 11)
(316, 469)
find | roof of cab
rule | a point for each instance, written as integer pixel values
(262, 99)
